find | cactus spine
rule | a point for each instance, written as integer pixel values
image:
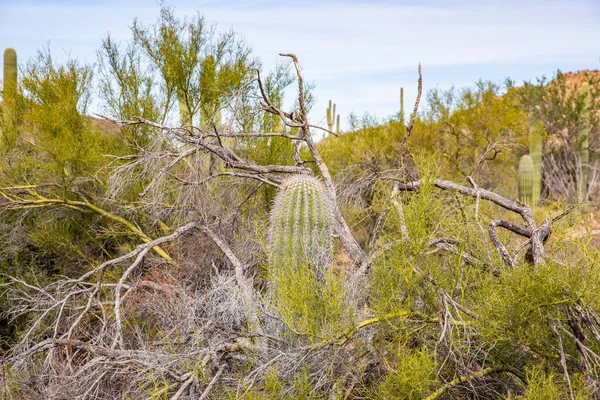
(582, 147)
(332, 118)
(301, 226)
(526, 176)
(535, 151)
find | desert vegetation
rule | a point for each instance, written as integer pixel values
(194, 240)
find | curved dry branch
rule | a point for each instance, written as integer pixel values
(467, 378)
(38, 201)
(536, 235)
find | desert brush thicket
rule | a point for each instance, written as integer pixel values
(195, 241)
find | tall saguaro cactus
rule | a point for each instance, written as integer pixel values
(582, 146)
(10, 70)
(526, 176)
(301, 226)
(8, 117)
(332, 118)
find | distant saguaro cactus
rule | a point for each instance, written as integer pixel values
(526, 175)
(332, 118)
(301, 225)
(8, 116)
(582, 146)
(10, 70)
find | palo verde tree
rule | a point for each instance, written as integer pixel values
(183, 66)
(60, 208)
(473, 129)
(56, 157)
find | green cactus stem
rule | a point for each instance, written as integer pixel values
(332, 118)
(526, 174)
(8, 114)
(301, 226)
(10, 70)
(582, 145)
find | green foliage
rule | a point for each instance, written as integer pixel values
(300, 388)
(526, 180)
(412, 374)
(536, 136)
(544, 385)
(269, 150)
(558, 104)
(312, 307)
(67, 144)
(58, 152)
(394, 284)
(474, 127)
(567, 111)
(173, 59)
(541, 386)
(128, 89)
(522, 307)
(582, 144)
(209, 102)
(373, 144)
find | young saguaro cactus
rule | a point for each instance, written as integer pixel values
(332, 118)
(582, 148)
(301, 226)
(526, 175)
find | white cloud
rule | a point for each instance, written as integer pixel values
(340, 41)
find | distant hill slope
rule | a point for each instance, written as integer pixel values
(575, 79)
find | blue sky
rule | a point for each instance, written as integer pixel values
(358, 53)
